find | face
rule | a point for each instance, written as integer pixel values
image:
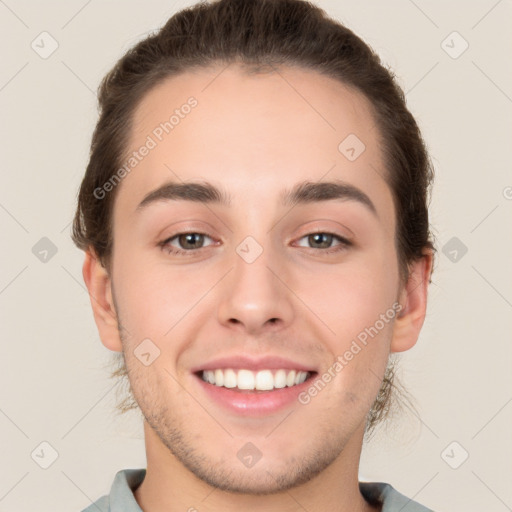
(258, 275)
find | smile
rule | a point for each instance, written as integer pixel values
(247, 380)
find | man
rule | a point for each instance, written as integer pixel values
(257, 246)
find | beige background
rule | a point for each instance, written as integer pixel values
(54, 384)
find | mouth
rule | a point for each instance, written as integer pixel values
(253, 386)
(249, 381)
(255, 394)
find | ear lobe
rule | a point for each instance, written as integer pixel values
(99, 286)
(413, 299)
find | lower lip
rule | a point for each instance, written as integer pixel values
(254, 403)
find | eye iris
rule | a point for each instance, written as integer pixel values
(322, 239)
(191, 240)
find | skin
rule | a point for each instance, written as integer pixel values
(254, 136)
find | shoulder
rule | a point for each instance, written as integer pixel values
(380, 493)
(121, 496)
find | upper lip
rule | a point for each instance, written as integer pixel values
(254, 364)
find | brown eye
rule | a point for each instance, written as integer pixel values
(326, 242)
(320, 240)
(182, 243)
(191, 240)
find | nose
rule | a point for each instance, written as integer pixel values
(255, 297)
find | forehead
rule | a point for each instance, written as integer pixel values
(256, 134)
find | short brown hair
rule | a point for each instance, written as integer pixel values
(260, 35)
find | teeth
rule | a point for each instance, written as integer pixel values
(219, 378)
(229, 379)
(264, 380)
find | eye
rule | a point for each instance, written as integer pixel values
(324, 241)
(182, 243)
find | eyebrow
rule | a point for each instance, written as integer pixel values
(310, 192)
(302, 193)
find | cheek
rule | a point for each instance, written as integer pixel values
(351, 296)
(358, 366)
(151, 297)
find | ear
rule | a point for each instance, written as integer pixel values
(99, 286)
(413, 298)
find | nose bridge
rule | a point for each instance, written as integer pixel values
(253, 298)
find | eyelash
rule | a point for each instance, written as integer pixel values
(165, 244)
